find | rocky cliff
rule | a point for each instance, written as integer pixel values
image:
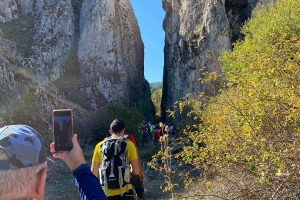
(89, 53)
(111, 53)
(7, 75)
(197, 33)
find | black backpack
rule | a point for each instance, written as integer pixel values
(114, 171)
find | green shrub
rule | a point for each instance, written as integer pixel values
(155, 86)
(105, 116)
(27, 110)
(156, 99)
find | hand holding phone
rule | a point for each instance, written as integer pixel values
(63, 129)
(73, 158)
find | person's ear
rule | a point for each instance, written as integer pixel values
(123, 131)
(41, 182)
(110, 132)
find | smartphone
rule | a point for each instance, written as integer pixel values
(62, 129)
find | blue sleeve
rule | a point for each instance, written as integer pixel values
(88, 185)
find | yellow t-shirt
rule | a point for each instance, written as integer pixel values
(132, 155)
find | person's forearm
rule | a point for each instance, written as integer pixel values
(95, 169)
(88, 185)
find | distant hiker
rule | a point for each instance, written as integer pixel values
(152, 128)
(157, 135)
(151, 132)
(142, 126)
(145, 137)
(112, 159)
(23, 166)
(172, 130)
(148, 126)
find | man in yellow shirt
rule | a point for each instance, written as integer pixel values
(117, 129)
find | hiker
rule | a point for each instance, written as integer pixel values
(23, 166)
(150, 138)
(142, 126)
(145, 137)
(157, 135)
(112, 159)
(148, 126)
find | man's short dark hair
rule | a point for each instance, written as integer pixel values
(117, 125)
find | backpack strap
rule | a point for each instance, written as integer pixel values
(127, 170)
(126, 152)
(102, 170)
(121, 181)
(112, 163)
(125, 165)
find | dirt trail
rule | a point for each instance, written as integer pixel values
(61, 182)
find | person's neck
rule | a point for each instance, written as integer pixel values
(116, 135)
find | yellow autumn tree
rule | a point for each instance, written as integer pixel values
(247, 140)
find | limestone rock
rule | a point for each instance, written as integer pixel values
(12, 9)
(111, 53)
(91, 51)
(197, 33)
(7, 76)
(44, 34)
(53, 38)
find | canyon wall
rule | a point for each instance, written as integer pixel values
(111, 54)
(83, 54)
(197, 33)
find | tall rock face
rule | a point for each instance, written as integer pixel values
(7, 75)
(197, 33)
(43, 31)
(87, 52)
(111, 54)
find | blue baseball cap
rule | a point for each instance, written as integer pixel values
(23, 145)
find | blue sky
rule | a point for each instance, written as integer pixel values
(150, 15)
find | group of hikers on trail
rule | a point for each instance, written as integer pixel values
(155, 131)
(116, 170)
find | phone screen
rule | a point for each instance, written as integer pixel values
(63, 129)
